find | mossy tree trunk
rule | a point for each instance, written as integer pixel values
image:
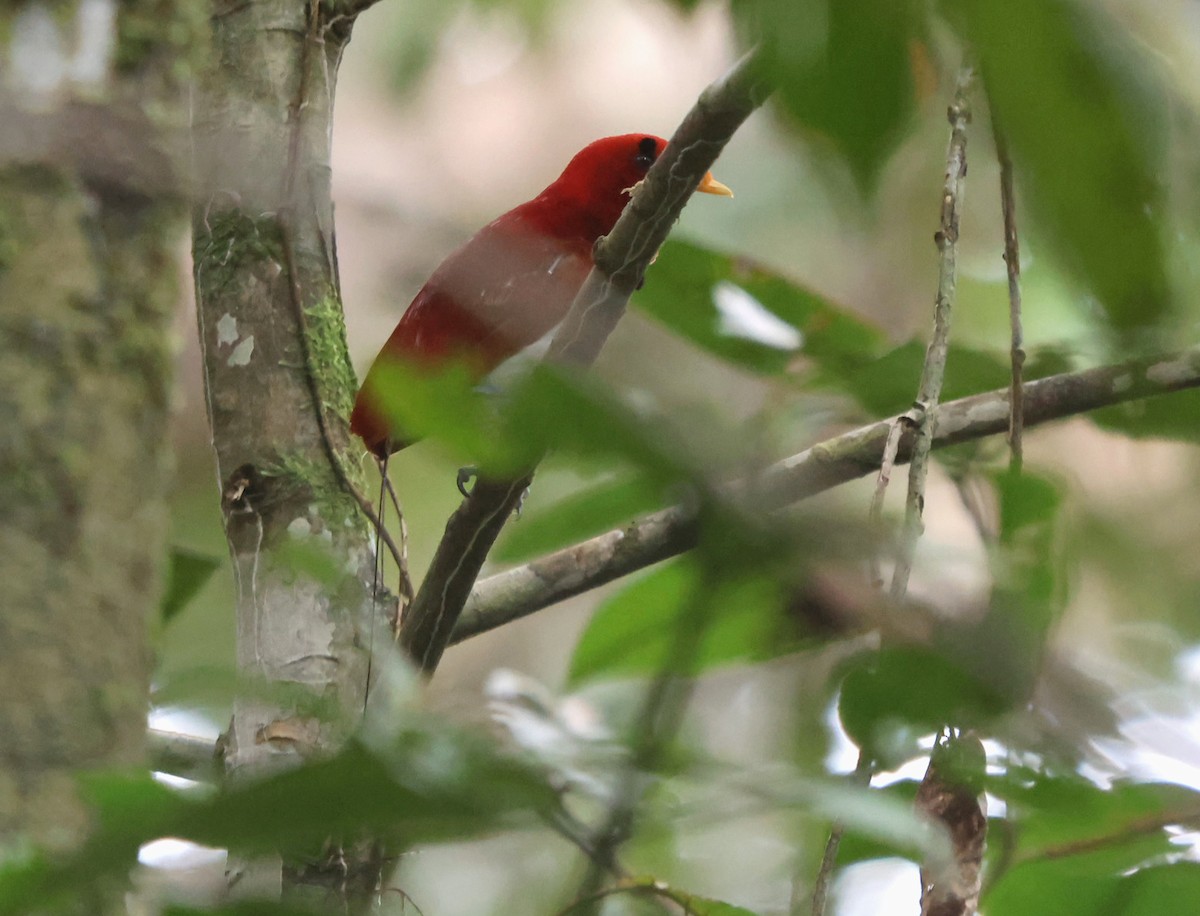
(279, 384)
(88, 289)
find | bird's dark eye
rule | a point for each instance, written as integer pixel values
(647, 153)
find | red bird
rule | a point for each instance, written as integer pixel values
(515, 279)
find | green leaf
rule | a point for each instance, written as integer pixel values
(886, 384)
(1039, 888)
(187, 573)
(425, 782)
(844, 70)
(688, 282)
(635, 632)
(1007, 645)
(1056, 814)
(1069, 88)
(891, 699)
(588, 512)
(860, 845)
(245, 908)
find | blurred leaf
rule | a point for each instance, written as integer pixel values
(311, 558)
(427, 787)
(1173, 416)
(556, 409)
(1006, 647)
(743, 313)
(1042, 887)
(187, 573)
(887, 385)
(892, 698)
(845, 71)
(592, 511)
(426, 782)
(635, 632)
(1086, 127)
(859, 845)
(1056, 815)
(245, 908)
(446, 406)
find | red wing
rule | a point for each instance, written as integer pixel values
(503, 290)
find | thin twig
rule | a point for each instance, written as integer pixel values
(886, 464)
(930, 390)
(657, 722)
(522, 591)
(863, 771)
(189, 756)
(1012, 262)
(621, 259)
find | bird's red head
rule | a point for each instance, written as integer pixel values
(589, 195)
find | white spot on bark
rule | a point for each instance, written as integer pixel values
(1122, 383)
(1169, 373)
(741, 315)
(299, 528)
(227, 330)
(241, 353)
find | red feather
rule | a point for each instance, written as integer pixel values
(515, 279)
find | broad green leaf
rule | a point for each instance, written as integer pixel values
(636, 632)
(744, 313)
(187, 573)
(890, 699)
(844, 71)
(429, 783)
(1086, 127)
(592, 511)
(1058, 814)
(1041, 888)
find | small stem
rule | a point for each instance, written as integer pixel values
(875, 515)
(1012, 262)
(930, 390)
(863, 771)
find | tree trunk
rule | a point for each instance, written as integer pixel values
(279, 384)
(88, 289)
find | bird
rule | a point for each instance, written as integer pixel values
(514, 280)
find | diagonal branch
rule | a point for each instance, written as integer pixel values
(521, 591)
(621, 261)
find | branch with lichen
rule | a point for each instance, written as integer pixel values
(523, 590)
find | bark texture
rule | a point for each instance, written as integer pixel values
(88, 284)
(279, 383)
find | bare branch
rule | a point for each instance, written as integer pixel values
(930, 389)
(621, 261)
(189, 756)
(521, 591)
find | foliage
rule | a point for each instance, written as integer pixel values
(751, 605)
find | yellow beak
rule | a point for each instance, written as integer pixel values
(710, 185)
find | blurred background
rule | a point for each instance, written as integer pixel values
(450, 112)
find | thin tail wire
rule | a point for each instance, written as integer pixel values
(377, 575)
